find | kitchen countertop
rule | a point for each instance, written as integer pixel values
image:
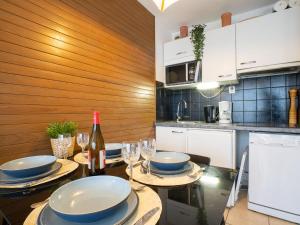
(260, 127)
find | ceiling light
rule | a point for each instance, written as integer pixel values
(207, 85)
(163, 4)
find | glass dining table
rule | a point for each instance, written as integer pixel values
(202, 202)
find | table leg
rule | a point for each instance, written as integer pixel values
(163, 194)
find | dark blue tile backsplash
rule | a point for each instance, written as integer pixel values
(256, 100)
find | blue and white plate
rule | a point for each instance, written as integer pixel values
(119, 216)
(6, 179)
(113, 156)
(28, 166)
(170, 160)
(113, 149)
(90, 198)
(187, 167)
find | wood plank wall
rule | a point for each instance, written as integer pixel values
(63, 59)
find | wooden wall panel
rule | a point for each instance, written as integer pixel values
(63, 59)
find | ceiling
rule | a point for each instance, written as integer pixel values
(188, 12)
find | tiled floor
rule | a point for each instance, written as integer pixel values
(240, 215)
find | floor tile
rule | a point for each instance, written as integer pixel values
(276, 221)
(226, 213)
(240, 215)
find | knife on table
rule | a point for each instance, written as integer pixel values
(146, 216)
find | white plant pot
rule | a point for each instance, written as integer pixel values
(55, 149)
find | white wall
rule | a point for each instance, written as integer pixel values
(163, 35)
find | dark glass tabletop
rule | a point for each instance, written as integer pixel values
(202, 202)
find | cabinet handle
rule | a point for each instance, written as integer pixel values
(179, 53)
(227, 75)
(177, 132)
(249, 62)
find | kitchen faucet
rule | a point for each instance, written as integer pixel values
(178, 107)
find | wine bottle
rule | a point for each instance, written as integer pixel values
(96, 152)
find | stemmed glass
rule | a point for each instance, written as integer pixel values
(83, 140)
(148, 151)
(64, 142)
(131, 153)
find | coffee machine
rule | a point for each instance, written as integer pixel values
(225, 112)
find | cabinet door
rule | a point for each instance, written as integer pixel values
(219, 58)
(171, 139)
(269, 40)
(219, 146)
(178, 51)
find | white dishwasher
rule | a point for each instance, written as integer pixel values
(274, 175)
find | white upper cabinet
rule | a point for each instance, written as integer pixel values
(269, 42)
(219, 57)
(178, 51)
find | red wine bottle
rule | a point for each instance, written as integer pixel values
(96, 152)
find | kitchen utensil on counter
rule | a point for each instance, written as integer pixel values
(225, 112)
(210, 113)
(293, 108)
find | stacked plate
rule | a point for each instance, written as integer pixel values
(89, 201)
(169, 163)
(28, 169)
(113, 150)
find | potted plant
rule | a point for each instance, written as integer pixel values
(197, 38)
(57, 128)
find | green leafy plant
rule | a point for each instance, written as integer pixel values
(56, 128)
(198, 37)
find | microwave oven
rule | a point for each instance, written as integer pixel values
(183, 73)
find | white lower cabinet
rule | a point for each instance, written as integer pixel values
(218, 145)
(171, 139)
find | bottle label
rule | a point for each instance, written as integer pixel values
(102, 159)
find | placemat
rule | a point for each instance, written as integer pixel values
(167, 180)
(148, 199)
(80, 158)
(67, 167)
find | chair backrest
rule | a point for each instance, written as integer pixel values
(200, 159)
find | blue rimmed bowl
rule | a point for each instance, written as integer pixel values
(113, 149)
(90, 198)
(28, 166)
(170, 160)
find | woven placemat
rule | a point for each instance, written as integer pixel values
(82, 159)
(67, 167)
(148, 199)
(167, 180)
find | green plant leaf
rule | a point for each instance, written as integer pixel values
(56, 128)
(197, 38)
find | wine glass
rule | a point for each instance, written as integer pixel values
(131, 153)
(83, 140)
(64, 142)
(148, 151)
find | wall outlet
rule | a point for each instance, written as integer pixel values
(231, 89)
